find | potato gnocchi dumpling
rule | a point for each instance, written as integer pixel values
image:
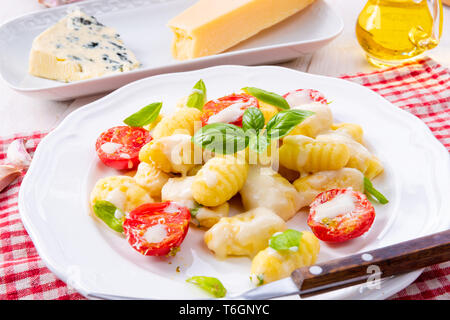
(181, 121)
(179, 190)
(320, 121)
(271, 265)
(219, 180)
(311, 185)
(305, 154)
(352, 129)
(244, 234)
(122, 191)
(359, 157)
(267, 110)
(209, 216)
(170, 154)
(266, 188)
(151, 178)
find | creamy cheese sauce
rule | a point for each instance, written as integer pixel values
(174, 144)
(179, 190)
(172, 208)
(298, 98)
(156, 233)
(118, 214)
(117, 198)
(196, 91)
(231, 113)
(110, 147)
(341, 204)
(210, 177)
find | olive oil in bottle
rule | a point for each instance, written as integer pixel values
(392, 31)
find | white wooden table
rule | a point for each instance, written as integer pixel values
(19, 113)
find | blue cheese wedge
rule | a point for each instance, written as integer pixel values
(79, 47)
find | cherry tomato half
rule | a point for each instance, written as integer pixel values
(154, 229)
(350, 215)
(118, 147)
(213, 107)
(304, 96)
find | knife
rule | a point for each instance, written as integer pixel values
(387, 262)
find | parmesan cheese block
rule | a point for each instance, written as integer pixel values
(79, 47)
(212, 26)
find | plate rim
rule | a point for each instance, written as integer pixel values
(179, 64)
(404, 280)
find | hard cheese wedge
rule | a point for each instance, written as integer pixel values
(79, 47)
(212, 26)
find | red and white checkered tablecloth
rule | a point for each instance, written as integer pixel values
(421, 88)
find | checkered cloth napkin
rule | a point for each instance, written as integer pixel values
(421, 88)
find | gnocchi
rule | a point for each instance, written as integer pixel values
(122, 191)
(271, 265)
(305, 154)
(219, 180)
(320, 121)
(179, 190)
(170, 154)
(244, 234)
(181, 121)
(151, 178)
(266, 188)
(311, 185)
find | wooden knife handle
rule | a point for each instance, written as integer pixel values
(396, 259)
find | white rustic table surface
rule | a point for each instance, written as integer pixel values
(19, 113)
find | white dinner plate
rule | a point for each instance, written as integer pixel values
(142, 25)
(53, 198)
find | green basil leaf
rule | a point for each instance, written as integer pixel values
(211, 285)
(287, 240)
(283, 122)
(105, 210)
(197, 98)
(371, 191)
(222, 138)
(195, 209)
(258, 142)
(268, 97)
(144, 116)
(253, 118)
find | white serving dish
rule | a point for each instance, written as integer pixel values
(142, 25)
(53, 198)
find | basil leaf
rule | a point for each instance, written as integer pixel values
(287, 240)
(253, 118)
(105, 210)
(283, 122)
(268, 97)
(197, 98)
(259, 142)
(222, 138)
(211, 285)
(144, 116)
(193, 211)
(371, 191)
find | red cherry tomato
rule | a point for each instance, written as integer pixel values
(154, 229)
(118, 147)
(213, 107)
(304, 96)
(344, 225)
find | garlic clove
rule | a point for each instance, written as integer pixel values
(7, 175)
(17, 154)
